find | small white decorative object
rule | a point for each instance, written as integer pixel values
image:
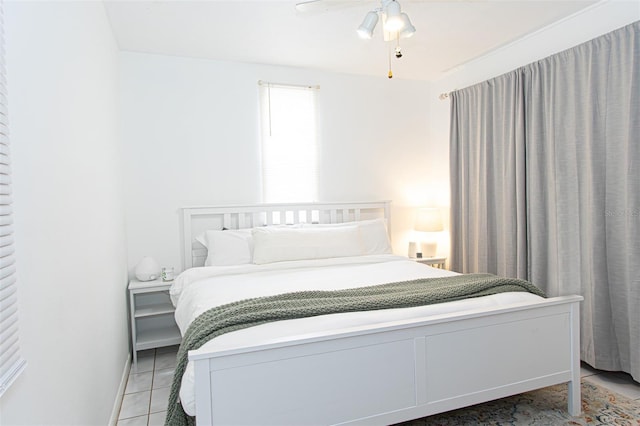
(148, 269)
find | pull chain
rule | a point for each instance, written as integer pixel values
(390, 75)
(398, 48)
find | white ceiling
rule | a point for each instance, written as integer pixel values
(449, 32)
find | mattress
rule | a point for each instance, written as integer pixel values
(199, 289)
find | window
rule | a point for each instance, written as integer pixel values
(289, 143)
(11, 363)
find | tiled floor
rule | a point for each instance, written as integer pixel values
(619, 382)
(147, 392)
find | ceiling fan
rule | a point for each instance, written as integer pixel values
(396, 24)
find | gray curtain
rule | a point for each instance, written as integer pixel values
(488, 197)
(545, 173)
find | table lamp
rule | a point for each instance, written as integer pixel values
(428, 220)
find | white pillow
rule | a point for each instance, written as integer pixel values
(282, 244)
(228, 247)
(373, 234)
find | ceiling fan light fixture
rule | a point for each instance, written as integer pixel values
(393, 22)
(395, 25)
(365, 30)
(409, 30)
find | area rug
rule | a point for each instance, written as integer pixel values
(546, 406)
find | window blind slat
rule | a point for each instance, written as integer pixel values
(5, 211)
(11, 362)
(4, 144)
(6, 230)
(5, 189)
(6, 250)
(7, 316)
(11, 330)
(8, 350)
(7, 272)
(6, 262)
(6, 240)
(7, 284)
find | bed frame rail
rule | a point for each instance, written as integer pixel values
(396, 372)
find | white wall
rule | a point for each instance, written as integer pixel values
(599, 19)
(71, 260)
(190, 137)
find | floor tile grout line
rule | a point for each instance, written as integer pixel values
(153, 373)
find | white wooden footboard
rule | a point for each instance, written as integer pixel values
(395, 372)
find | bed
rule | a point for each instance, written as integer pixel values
(380, 367)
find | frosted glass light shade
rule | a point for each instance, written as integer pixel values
(394, 21)
(365, 30)
(429, 220)
(147, 269)
(408, 30)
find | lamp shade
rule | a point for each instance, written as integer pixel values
(408, 30)
(148, 269)
(365, 30)
(429, 220)
(393, 21)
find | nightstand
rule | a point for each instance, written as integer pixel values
(436, 262)
(152, 321)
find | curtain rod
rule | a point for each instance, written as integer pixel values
(298, 86)
(444, 96)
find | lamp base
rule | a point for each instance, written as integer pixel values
(429, 249)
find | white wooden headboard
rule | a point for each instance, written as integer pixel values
(196, 220)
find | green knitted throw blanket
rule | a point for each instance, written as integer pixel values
(252, 312)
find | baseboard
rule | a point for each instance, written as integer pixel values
(115, 412)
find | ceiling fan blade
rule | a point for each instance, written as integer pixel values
(304, 6)
(319, 6)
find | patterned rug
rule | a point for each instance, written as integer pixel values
(546, 406)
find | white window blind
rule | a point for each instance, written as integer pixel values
(289, 143)
(11, 363)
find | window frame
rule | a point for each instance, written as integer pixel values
(269, 105)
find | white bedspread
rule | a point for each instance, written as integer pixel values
(199, 289)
